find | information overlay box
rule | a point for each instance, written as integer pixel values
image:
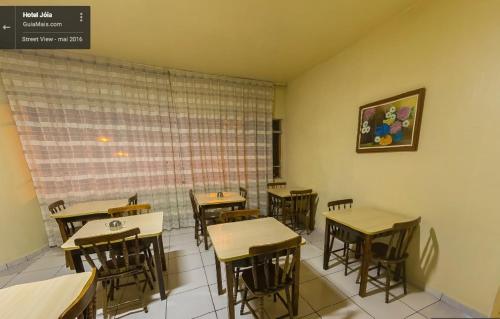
(44, 27)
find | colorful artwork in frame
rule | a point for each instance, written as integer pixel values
(392, 124)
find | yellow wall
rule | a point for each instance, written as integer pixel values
(21, 227)
(453, 49)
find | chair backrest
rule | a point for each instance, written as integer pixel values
(193, 204)
(400, 237)
(229, 216)
(84, 306)
(339, 204)
(276, 185)
(133, 200)
(301, 201)
(56, 206)
(130, 210)
(123, 248)
(268, 257)
(243, 192)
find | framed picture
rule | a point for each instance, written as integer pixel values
(392, 124)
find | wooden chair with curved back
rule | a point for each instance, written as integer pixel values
(244, 194)
(231, 216)
(125, 259)
(275, 206)
(211, 217)
(272, 270)
(344, 235)
(276, 185)
(129, 210)
(132, 200)
(300, 208)
(393, 254)
(84, 307)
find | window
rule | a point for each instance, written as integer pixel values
(276, 148)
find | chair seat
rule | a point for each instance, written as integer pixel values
(261, 280)
(379, 252)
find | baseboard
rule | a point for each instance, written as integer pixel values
(463, 308)
(21, 260)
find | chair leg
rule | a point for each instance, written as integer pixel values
(387, 282)
(346, 253)
(243, 300)
(289, 302)
(105, 300)
(196, 225)
(261, 307)
(141, 292)
(378, 269)
(150, 267)
(236, 282)
(404, 277)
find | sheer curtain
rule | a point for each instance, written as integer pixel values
(94, 128)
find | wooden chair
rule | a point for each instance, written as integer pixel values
(129, 210)
(231, 216)
(125, 259)
(84, 307)
(133, 199)
(276, 185)
(211, 217)
(244, 194)
(300, 208)
(70, 228)
(394, 253)
(344, 235)
(267, 277)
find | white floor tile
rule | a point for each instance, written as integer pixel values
(320, 293)
(176, 250)
(344, 309)
(312, 316)
(31, 276)
(416, 316)
(130, 308)
(375, 305)
(308, 251)
(220, 301)
(211, 315)
(441, 309)
(347, 284)
(277, 309)
(181, 231)
(222, 313)
(189, 305)
(416, 299)
(307, 272)
(184, 263)
(182, 239)
(46, 262)
(208, 257)
(5, 279)
(187, 280)
(212, 274)
(316, 264)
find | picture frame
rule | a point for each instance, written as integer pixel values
(391, 124)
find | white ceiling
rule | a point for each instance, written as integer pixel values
(263, 39)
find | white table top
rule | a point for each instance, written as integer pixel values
(90, 208)
(42, 299)
(232, 241)
(150, 225)
(204, 199)
(366, 220)
(285, 192)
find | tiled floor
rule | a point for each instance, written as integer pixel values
(192, 292)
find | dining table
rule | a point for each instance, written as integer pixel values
(232, 241)
(366, 222)
(43, 299)
(208, 201)
(282, 196)
(151, 227)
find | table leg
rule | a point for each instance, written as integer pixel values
(296, 285)
(367, 252)
(230, 289)
(326, 245)
(204, 227)
(76, 258)
(220, 290)
(162, 254)
(159, 274)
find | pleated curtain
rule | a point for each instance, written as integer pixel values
(94, 128)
